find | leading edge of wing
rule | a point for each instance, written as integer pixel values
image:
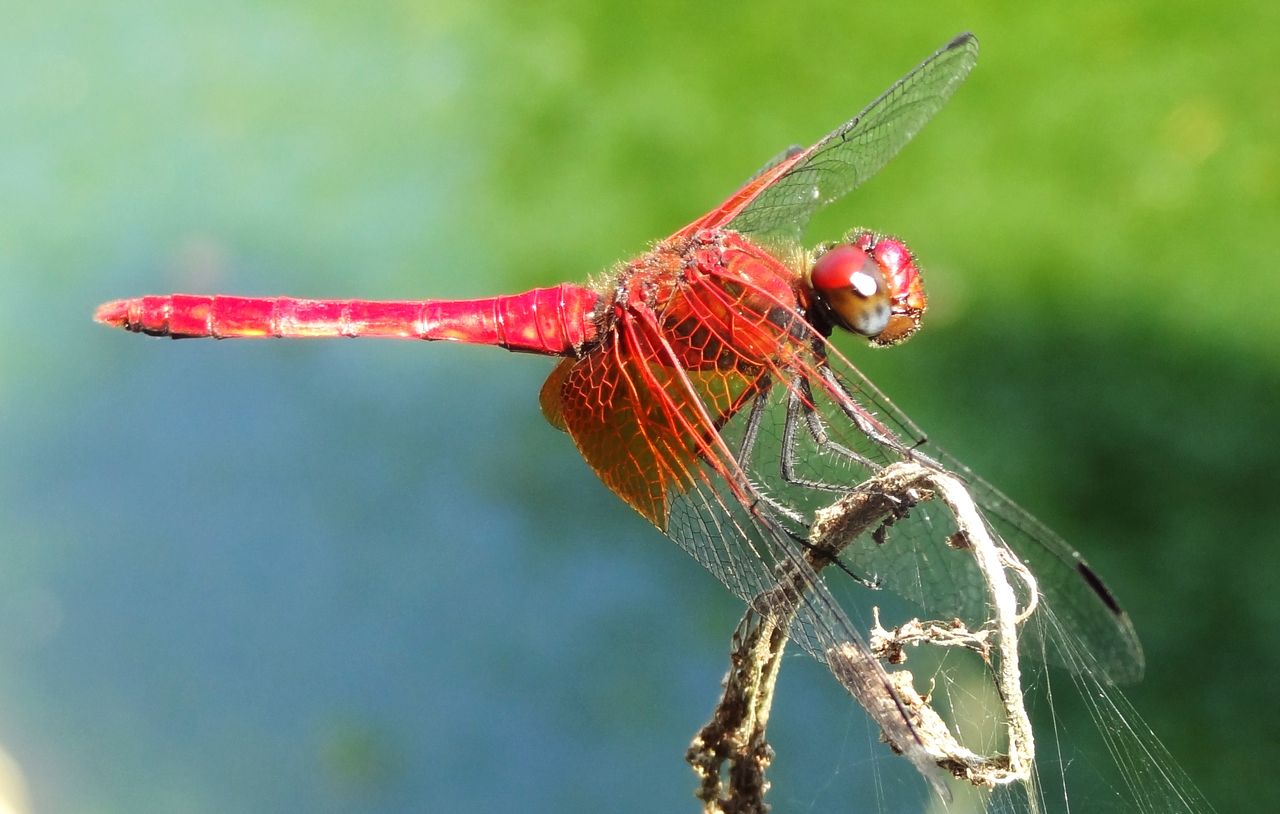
(784, 196)
(1073, 591)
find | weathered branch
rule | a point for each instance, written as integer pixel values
(730, 755)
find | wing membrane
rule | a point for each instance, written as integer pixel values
(913, 559)
(660, 431)
(860, 148)
(782, 198)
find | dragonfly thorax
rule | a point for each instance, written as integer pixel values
(869, 285)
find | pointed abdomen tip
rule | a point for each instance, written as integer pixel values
(114, 313)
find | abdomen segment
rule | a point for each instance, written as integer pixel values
(555, 321)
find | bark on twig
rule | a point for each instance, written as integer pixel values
(735, 735)
(731, 754)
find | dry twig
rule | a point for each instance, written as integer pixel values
(730, 755)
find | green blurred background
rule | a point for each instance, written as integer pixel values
(366, 576)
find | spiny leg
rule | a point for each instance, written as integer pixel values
(751, 434)
(867, 424)
(800, 407)
(759, 400)
(800, 404)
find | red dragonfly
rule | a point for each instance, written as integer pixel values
(699, 382)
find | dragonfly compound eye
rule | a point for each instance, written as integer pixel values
(850, 286)
(902, 278)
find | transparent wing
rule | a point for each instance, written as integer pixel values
(824, 428)
(860, 431)
(782, 198)
(645, 418)
(778, 203)
(851, 431)
(1085, 607)
(681, 415)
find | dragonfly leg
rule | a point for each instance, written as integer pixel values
(867, 424)
(796, 408)
(800, 409)
(750, 434)
(767, 508)
(759, 400)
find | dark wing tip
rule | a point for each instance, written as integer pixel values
(964, 39)
(1103, 592)
(1133, 672)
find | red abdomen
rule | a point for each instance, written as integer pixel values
(554, 321)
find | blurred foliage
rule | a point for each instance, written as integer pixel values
(213, 553)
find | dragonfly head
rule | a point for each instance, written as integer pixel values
(870, 285)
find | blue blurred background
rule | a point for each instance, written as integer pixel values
(368, 577)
